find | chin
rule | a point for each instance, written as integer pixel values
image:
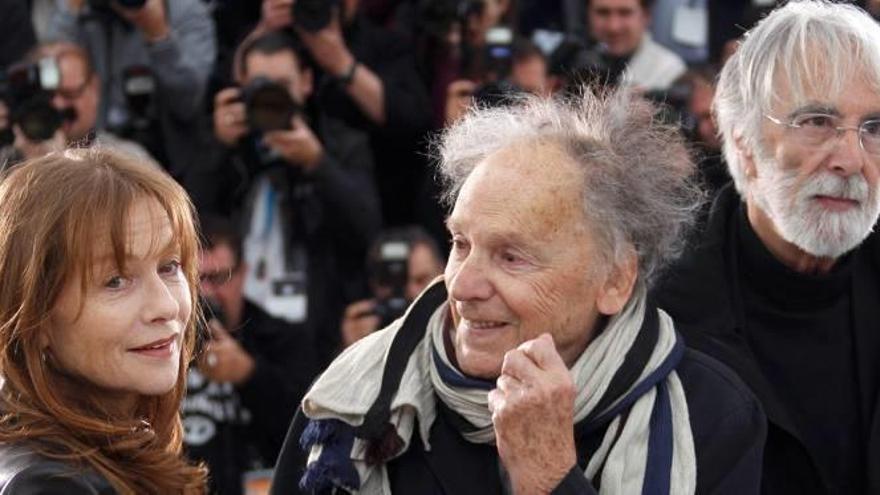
(480, 365)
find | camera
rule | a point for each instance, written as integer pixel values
(391, 271)
(27, 90)
(268, 105)
(313, 15)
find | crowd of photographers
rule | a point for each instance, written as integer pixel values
(300, 129)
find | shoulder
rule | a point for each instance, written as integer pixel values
(721, 406)
(23, 471)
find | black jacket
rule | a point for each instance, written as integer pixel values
(332, 212)
(24, 472)
(234, 429)
(727, 423)
(703, 295)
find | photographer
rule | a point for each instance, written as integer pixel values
(53, 98)
(252, 373)
(401, 263)
(624, 52)
(367, 78)
(302, 183)
(153, 58)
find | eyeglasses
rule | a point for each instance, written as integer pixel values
(815, 129)
(216, 278)
(74, 93)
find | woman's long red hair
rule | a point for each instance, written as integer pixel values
(52, 211)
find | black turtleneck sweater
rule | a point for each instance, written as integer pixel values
(800, 329)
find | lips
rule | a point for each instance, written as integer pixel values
(158, 348)
(836, 203)
(484, 324)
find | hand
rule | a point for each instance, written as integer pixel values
(149, 19)
(459, 97)
(328, 47)
(230, 119)
(533, 414)
(298, 146)
(224, 360)
(358, 321)
(276, 14)
(33, 149)
(4, 116)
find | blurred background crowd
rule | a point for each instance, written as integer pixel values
(302, 131)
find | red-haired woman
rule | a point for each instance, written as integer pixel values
(98, 254)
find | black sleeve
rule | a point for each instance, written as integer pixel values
(51, 478)
(391, 57)
(345, 183)
(18, 32)
(574, 483)
(729, 427)
(729, 460)
(284, 368)
(291, 461)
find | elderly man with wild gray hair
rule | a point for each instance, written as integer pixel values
(784, 285)
(537, 363)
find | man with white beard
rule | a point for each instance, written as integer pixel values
(786, 276)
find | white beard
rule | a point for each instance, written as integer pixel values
(802, 221)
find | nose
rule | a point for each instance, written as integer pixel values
(469, 280)
(847, 156)
(161, 304)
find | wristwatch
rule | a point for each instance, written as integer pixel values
(348, 76)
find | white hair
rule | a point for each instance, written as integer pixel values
(639, 193)
(810, 47)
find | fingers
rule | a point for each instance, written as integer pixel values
(359, 309)
(218, 332)
(226, 96)
(542, 351)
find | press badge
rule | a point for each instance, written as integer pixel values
(690, 26)
(288, 297)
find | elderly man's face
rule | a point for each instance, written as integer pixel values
(523, 262)
(821, 198)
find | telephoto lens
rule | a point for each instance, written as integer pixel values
(268, 105)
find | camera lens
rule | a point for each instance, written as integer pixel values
(38, 119)
(269, 105)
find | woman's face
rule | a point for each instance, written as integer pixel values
(125, 332)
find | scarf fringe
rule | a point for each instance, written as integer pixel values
(334, 467)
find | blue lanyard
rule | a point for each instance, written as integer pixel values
(270, 211)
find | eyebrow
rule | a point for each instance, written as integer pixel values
(824, 108)
(506, 238)
(813, 107)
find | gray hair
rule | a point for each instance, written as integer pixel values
(812, 46)
(638, 195)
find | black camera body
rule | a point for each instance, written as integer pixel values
(391, 272)
(268, 105)
(313, 15)
(27, 90)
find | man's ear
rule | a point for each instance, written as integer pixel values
(618, 285)
(746, 156)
